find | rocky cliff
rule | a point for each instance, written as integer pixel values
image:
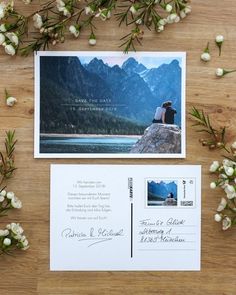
(159, 138)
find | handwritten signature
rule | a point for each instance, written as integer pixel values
(93, 235)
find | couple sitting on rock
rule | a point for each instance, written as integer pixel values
(165, 114)
(170, 201)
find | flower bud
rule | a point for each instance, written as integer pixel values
(9, 49)
(212, 185)
(218, 217)
(10, 101)
(7, 242)
(205, 56)
(92, 39)
(168, 8)
(226, 223)
(219, 72)
(222, 205)
(219, 39)
(10, 195)
(2, 39)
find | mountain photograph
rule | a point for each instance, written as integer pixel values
(105, 95)
(159, 191)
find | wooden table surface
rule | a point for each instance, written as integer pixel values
(28, 272)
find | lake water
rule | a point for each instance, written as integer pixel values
(87, 144)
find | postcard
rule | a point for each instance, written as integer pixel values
(104, 104)
(125, 217)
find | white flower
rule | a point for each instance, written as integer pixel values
(9, 49)
(187, 9)
(223, 176)
(229, 170)
(139, 21)
(10, 195)
(219, 72)
(60, 5)
(233, 145)
(4, 232)
(219, 39)
(16, 203)
(226, 223)
(229, 189)
(88, 10)
(10, 101)
(2, 9)
(92, 39)
(74, 31)
(1, 199)
(177, 19)
(231, 196)
(27, 1)
(182, 14)
(205, 56)
(222, 205)
(134, 9)
(2, 38)
(218, 217)
(7, 242)
(106, 14)
(160, 29)
(38, 21)
(212, 185)
(3, 193)
(171, 18)
(228, 163)
(15, 228)
(3, 28)
(13, 38)
(162, 22)
(25, 243)
(214, 166)
(168, 8)
(66, 12)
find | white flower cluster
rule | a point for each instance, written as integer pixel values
(5, 8)
(9, 200)
(171, 18)
(11, 237)
(226, 172)
(9, 40)
(62, 7)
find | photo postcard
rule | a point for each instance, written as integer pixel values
(110, 104)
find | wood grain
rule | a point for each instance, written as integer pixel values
(28, 273)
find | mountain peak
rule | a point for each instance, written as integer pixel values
(131, 66)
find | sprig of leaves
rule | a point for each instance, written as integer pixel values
(137, 15)
(215, 137)
(7, 165)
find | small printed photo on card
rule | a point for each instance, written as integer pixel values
(176, 193)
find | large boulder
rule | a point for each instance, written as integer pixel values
(159, 138)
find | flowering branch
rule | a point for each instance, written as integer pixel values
(225, 172)
(12, 238)
(56, 17)
(216, 138)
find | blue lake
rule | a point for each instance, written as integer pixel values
(111, 144)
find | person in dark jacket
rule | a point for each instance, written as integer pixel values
(170, 113)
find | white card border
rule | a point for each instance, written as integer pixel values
(37, 153)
